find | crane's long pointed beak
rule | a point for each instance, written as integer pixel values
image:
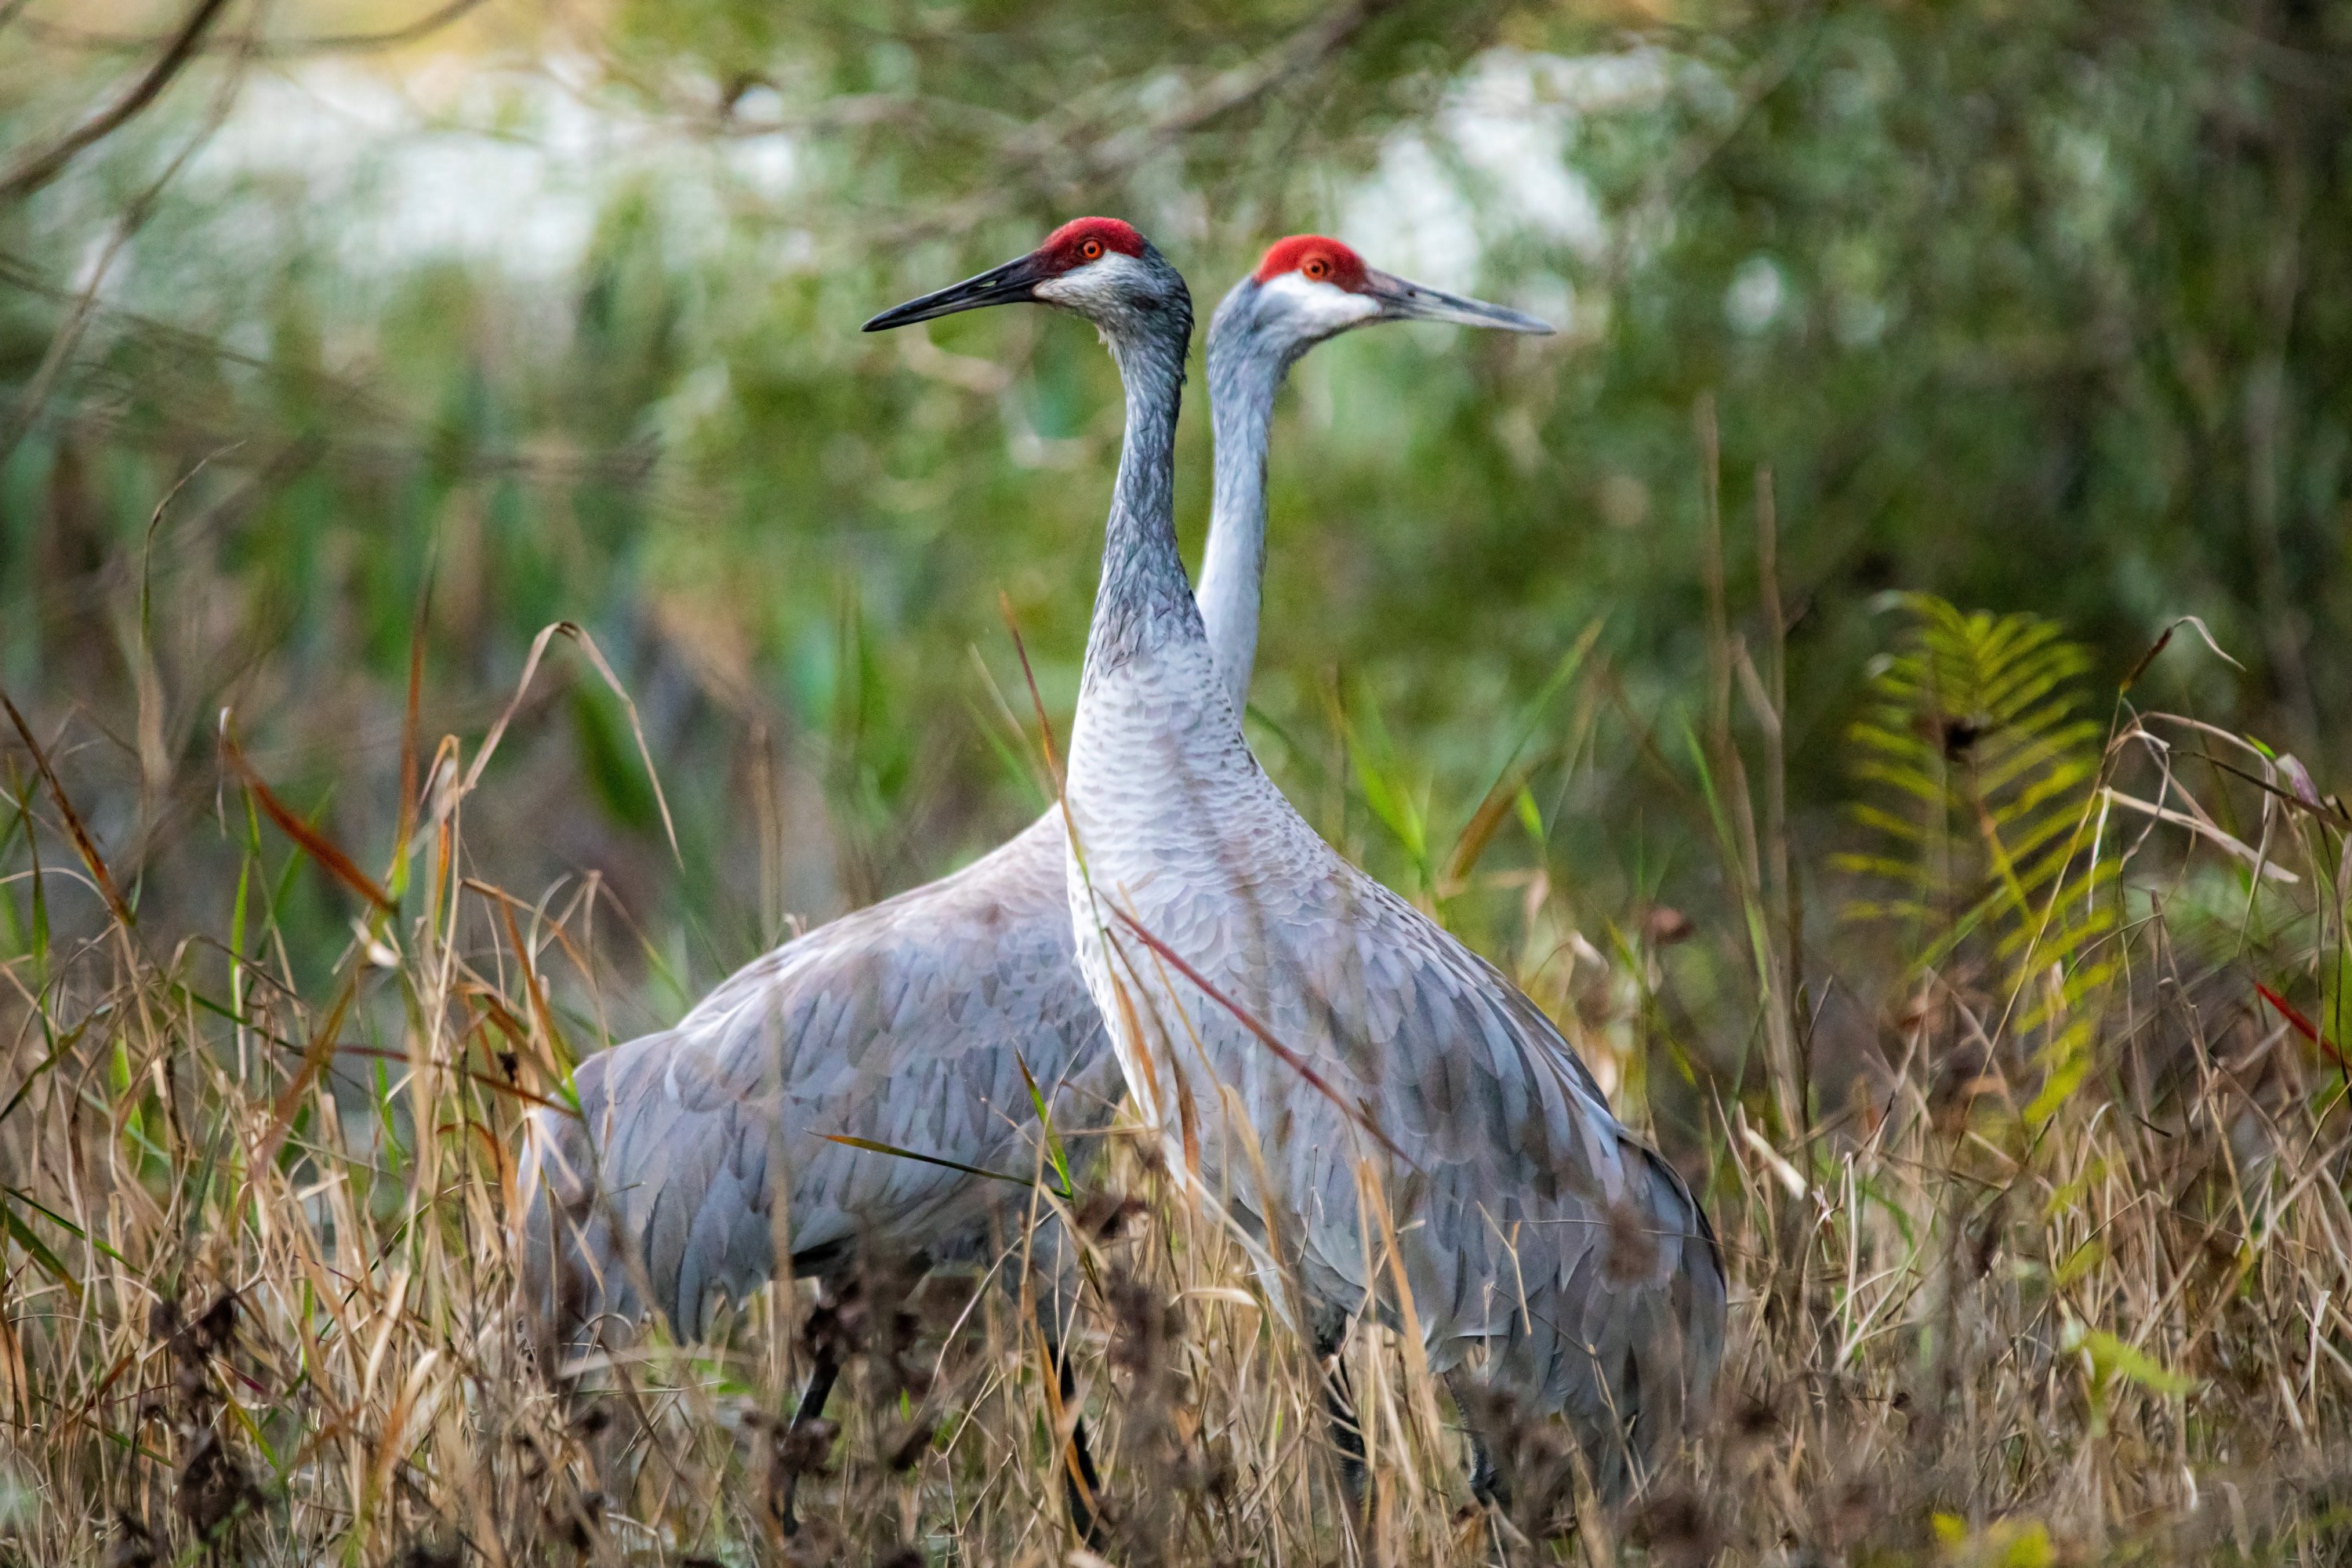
(1402, 301)
(1015, 281)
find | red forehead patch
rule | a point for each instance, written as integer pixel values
(1315, 258)
(1067, 245)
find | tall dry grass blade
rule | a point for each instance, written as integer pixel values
(83, 844)
(587, 645)
(1036, 704)
(556, 1050)
(412, 725)
(848, 1141)
(2303, 1026)
(2164, 639)
(324, 1043)
(1265, 1036)
(318, 846)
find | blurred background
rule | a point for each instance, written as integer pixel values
(329, 332)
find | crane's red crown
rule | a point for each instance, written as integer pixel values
(1085, 240)
(1314, 258)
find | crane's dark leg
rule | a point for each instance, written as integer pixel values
(1078, 1475)
(1054, 1265)
(1339, 1405)
(1488, 1483)
(794, 1456)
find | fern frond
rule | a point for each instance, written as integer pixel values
(1911, 780)
(1901, 829)
(1975, 766)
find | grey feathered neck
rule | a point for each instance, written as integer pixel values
(1249, 356)
(1144, 600)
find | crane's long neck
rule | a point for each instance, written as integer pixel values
(1245, 372)
(1144, 601)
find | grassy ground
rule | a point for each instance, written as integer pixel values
(2042, 1254)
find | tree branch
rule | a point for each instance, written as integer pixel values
(422, 28)
(31, 171)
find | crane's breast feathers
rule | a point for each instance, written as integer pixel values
(1517, 1184)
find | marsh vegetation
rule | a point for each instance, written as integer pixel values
(466, 586)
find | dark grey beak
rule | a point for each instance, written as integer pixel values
(1402, 301)
(1015, 281)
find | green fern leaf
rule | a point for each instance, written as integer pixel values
(1975, 766)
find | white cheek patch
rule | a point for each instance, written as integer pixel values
(1321, 309)
(1098, 284)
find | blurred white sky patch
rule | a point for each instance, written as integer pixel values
(1412, 217)
(455, 161)
(1496, 164)
(1758, 290)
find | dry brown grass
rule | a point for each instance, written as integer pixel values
(259, 1301)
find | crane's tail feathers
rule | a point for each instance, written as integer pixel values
(572, 1278)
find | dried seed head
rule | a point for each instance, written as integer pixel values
(135, 1546)
(212, 1487)
(575, 1524)
(211, 1333)
(1633, 1244)
(1141, 1326)
(911, 1448)
(1676, 1530)
(803, 1450)
(1104, 1215)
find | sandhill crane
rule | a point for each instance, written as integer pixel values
(906, 1024)
(1276, 1010)
(1265, 323)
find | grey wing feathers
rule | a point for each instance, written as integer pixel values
(651, 1196)
(1550, 1251)
(906, 1024)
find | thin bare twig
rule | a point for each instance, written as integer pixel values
(134, 218)
(28, 172)
(74, 829)
(417, 31)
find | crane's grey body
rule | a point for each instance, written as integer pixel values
(1548, 1251)
(1541, 1242)
(907, 1023)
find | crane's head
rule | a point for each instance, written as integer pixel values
(1098, 267)
(1309, 288)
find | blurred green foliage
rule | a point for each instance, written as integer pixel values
(2045, 309)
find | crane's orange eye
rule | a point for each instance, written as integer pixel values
(1091, 250)
(1317, 268)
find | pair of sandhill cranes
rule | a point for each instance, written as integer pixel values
(1397, 1131)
